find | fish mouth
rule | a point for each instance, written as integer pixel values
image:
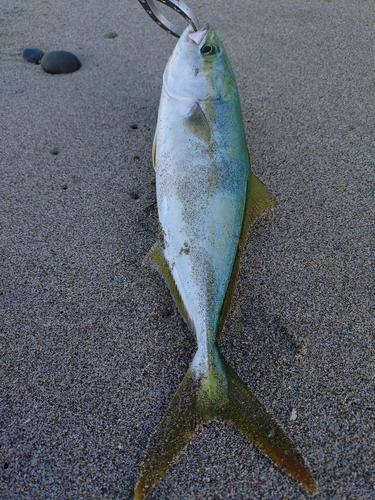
(198, 36)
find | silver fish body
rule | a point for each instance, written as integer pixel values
(202, 170)
(207, 199)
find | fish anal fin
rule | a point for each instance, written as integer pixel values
(258, 200)
(158, 262)
(197, 123)
(154, 145)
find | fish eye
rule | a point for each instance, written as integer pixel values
(209, 50)
(206, 49)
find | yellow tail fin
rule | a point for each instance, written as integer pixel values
(221, 394)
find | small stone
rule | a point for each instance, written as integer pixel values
(32, 55)
(111, 34)
(60, 61)
(293, 415)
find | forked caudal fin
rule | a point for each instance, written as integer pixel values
(221, 394)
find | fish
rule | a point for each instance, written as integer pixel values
(207, 199)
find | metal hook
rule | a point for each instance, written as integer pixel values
(178, 6)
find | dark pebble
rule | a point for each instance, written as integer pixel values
(60, 61)
(54, 151)
(111, 34)
(134, 126)
(32, 55)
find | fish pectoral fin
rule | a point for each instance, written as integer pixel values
(197, 123)
(251, 418)
(158, 262)
(174, 432)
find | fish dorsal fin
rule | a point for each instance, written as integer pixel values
(158, 262)
(197, 123)
(258, 200)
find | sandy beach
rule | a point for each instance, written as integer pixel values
(92, 347)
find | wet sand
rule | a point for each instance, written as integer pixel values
(92, 346)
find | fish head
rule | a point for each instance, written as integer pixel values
(199, 68)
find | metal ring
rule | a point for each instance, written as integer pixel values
(178, 6)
